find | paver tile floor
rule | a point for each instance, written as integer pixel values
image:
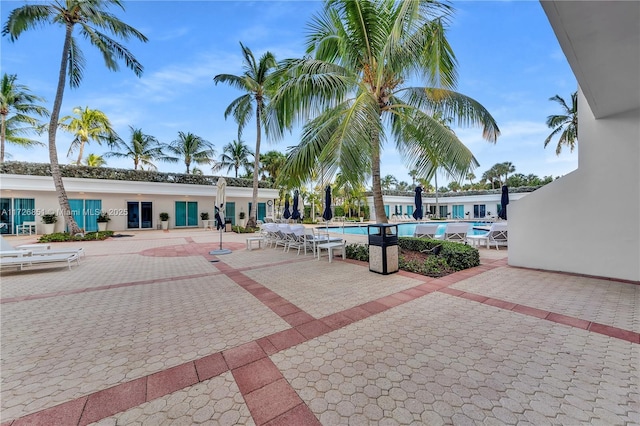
(152, 329)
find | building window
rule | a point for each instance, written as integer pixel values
(479, 211)
(458, 211)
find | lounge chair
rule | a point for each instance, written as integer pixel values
(497, 235)
(21, 261)
(456, 232)
(39, 249)
(426, 230)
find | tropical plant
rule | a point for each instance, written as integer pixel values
(90, 16)
(15, 131)
(272, 163)
(18, 101)
(363, 52)
(143, 149)
(258, 83)
(49, 218)
(387, 182)
(164, 216)
(234, 155)
(204, 215)
(191, 148)
(103, 217)
(566, 124)
(95, 160)
(87, 125)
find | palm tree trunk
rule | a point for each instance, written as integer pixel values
(378, 201)
(80, 152)
(63, 200)
(435, 175)
(251, 223)
(2, 136)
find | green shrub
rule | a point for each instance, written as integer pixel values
(59, 237)
(457, 255)
(357, 252)
(451, 257)
(308, 221)
(242, 230)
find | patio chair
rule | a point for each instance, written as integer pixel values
(21, 261)
(456, 232)
(26, 227)
(426, 230)
(39, 249)
(497, 235)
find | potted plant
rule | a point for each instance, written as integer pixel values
(205, 219)
(49, 221)
(164, 219)
(242, 216)
(103, 219)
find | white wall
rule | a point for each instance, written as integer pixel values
(588, 221)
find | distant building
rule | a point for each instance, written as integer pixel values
(133, 199)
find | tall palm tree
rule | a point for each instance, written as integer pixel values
(87, 125)
(354, 85)
(91, 16)
(192, 149)
(17, 100)
(566, 124)
(258, 83)
(234, 155)
(143, 149)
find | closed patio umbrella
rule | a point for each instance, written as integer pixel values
(417, 213)
(221, 201)
(295, 215)
(326, 214)
(504, 201)
(287, 212)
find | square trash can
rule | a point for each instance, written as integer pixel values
(383, 248)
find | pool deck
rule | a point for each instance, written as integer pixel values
(151, 329)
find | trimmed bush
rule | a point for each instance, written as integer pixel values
(451, 257)
(457, 255)
(60, 237)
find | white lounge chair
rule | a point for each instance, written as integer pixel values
(21, 261)
(456, 232)
(39, 249)
(426, 230)
(497, 235)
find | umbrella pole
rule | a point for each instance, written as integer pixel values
(221, 250)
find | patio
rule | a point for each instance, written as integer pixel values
(147, 330)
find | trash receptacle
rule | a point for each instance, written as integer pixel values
(227, 225)
(383, 248)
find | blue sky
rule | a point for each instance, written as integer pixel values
(509, 61)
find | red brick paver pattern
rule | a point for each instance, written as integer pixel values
(148, 330)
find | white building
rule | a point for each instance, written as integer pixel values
(588, 222)
(456, 206)
(131, 205)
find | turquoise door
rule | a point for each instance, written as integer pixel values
(77, 211)
(24, 210)
(386, 210)
(262, 210)
(230, 212)
(186, 213)
(458, 211)
(409, 210)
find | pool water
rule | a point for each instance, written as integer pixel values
(407, 229)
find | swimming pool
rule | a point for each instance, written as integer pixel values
(407, 229)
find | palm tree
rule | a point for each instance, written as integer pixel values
(566, 124)
(87, 125)
(15, 131)
(90, 16)
(94, 160)
(142, 149)
(413, 174)
(272, 163)
(16, 99)
(192, 149)
(258, 83)
(387, 182)
(234, 155)
(471, 177)
(354, 87)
